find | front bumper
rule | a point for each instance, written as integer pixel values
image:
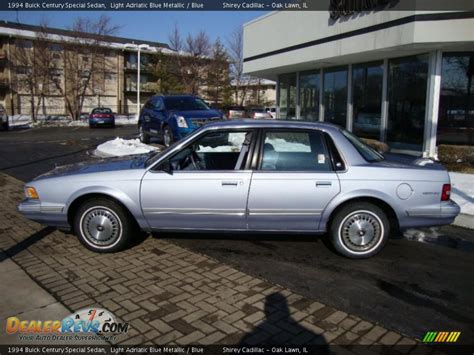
(51, 215)
(180, 133)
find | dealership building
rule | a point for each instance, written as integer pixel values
(401, 77)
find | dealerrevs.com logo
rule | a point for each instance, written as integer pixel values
(88, 324)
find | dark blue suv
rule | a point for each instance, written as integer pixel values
(173, 117)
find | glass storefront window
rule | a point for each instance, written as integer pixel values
(456, 106)
(335, 95)
(287, 95)
(309, 95)
(407, 83)
(367, 85)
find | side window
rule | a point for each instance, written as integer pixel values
(294, 151)
(149, 103)
(214, 151)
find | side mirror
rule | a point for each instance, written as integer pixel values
(166, 167)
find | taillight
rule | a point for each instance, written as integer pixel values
(446, 193)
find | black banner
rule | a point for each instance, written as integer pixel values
(335, 6)
(419, 349)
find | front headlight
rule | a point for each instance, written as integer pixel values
(30, 192)
(181, 121)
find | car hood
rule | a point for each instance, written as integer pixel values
(407, 161)
(98, 166)
(197, 113)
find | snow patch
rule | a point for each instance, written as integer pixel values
(63, 121)
(462, 191)
(121, 147)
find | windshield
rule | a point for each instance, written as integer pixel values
(184, 103)
(366, 151)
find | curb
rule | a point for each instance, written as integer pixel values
(464, 220)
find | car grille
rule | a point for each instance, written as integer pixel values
(198, 122)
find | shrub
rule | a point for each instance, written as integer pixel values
(451, 154)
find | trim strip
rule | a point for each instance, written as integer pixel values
(360, 31)
(284, 212)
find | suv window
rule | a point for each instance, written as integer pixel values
(214, 151)
(294, 151)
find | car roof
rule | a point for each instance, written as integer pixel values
(251, 123)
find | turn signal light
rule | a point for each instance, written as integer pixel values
(446, 193)
(31, 193)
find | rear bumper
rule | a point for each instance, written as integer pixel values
(423, 217)
(49, 215)
(102, 121)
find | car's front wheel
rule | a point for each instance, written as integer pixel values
(167, 136)
(103, 225)
(360, 231)
(143, 136)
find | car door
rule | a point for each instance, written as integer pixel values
(205, 186)
(293, 183)
(153, 115)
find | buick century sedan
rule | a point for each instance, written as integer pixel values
(248, 176)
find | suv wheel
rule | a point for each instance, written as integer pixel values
(167, 136)
(103, 226)
(360, 231)
(144, 137)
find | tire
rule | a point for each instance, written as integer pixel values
(144, 137)
(117, 225)
(168, 138)
(91, 125)
(5, 126)
(359, 231)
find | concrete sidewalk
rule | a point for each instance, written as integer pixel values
(168, 295)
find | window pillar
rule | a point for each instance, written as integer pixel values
(298, 106)
(349, 99)
(321, 95)
(384, 109)
(432, 104)
(277, 98)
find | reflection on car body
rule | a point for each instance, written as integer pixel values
(248, 176)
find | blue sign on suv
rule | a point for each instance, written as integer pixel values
(171, 118)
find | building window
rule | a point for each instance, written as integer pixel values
(407, 84)
(287, 95)
(309, 95)
(335, 96)
(367, 82)
(456, 107)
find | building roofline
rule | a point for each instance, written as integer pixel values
(64, 32)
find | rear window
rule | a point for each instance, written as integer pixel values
(367, 152)
(102, 110)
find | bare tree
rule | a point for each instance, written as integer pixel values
(84, 62)
(192, 58)
(31, 60)
(240, 82)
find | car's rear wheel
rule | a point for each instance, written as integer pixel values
(167, 136)
(103, 226)
(143, 136)
(360, 231)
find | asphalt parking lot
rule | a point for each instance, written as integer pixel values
(411, 286)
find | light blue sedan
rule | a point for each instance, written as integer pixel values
(247, 176)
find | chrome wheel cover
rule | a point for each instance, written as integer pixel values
(167, 137)
(101, 227)
(361, 231)
(141, 133)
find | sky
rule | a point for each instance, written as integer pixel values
(147, 25)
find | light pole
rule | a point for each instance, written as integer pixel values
(138, 48)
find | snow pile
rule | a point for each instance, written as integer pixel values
(282, 145)
(462, 191)
(120, 147)
(64, 121)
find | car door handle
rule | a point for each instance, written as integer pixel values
(229, 183)
(323, 183)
